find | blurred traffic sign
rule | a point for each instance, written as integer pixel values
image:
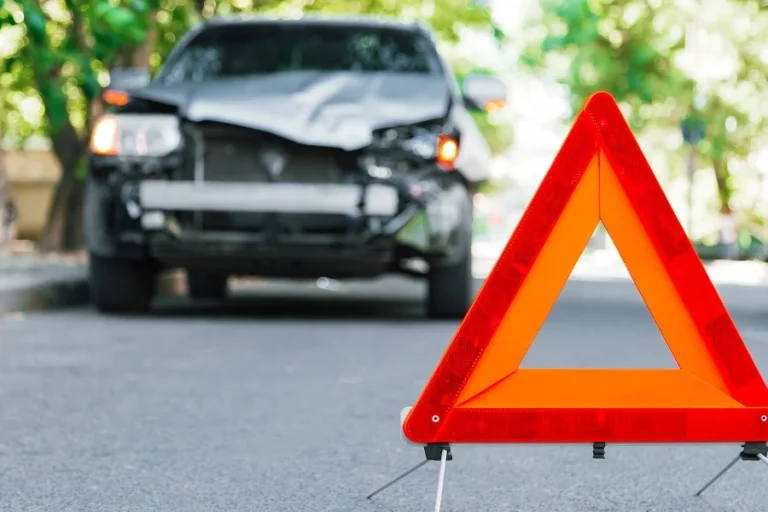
(693, 130)
(478, 393)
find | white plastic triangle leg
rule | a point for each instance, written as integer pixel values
(441, 480)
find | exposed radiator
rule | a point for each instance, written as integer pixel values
(238, 154)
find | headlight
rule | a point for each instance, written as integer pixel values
(422, 144)
(397, 148)
(136, 135)
(419, 138)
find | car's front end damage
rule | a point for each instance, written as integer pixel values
(228, 198)
(288, 148)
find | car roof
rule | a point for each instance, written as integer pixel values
(319, 20)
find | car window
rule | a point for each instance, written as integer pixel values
(242, 50)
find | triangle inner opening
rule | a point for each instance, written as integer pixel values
(599, 324)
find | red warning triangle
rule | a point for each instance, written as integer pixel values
(478, 394)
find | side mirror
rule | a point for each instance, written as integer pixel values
(128, 78)
(484, 92)
(122, 80)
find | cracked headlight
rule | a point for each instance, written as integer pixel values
(423, 144)
(152, 135)
(403, 147)
(420, 140)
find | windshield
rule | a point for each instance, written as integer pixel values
(229, 51)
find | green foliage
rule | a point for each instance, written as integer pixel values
(57, 58)
(60, 60)
(632, 49)
(499, 134)
(446, 17)
(623, 47)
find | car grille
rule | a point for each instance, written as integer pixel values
(225, 153)
(241, 155)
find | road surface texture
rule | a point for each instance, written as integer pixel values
(287, 399)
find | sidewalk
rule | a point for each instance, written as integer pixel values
(30, 282)
(606, 265)
(602, 265)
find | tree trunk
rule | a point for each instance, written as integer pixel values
(63, 231)
(724, 191)
(8, 225)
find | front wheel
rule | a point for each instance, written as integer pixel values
(121, 285)
(449, 290)
(450, 287)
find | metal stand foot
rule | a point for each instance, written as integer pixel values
(751, 451)
(432, 452)
(395, 480)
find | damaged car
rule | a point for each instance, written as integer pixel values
(288, 148)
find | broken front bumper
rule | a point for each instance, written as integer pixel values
(346, 199)
(372, 227)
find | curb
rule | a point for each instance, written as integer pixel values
(68, 292)
(45, 295)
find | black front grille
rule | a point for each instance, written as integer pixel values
(225, 153)
(240, 155)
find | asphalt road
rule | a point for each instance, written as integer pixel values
(283, 403)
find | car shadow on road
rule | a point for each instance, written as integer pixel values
(399, 300)
(330, 308)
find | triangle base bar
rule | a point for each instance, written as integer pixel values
(608, 425)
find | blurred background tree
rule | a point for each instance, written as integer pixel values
(665, 62)
(56, 53)
(498, 132)
(58, 49)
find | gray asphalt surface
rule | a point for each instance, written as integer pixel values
(288, 400)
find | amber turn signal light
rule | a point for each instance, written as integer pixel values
(495, 106)
(447, 151)
(117, 98)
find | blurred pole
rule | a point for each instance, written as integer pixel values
(693, 130)
(729, 237)
(689, 196)
(688, 131)
(693, 127)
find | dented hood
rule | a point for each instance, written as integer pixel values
(315, 108)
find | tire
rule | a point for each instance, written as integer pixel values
(449, 288)
(120, 285)
(202, 285)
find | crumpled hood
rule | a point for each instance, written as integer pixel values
(315, 108)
